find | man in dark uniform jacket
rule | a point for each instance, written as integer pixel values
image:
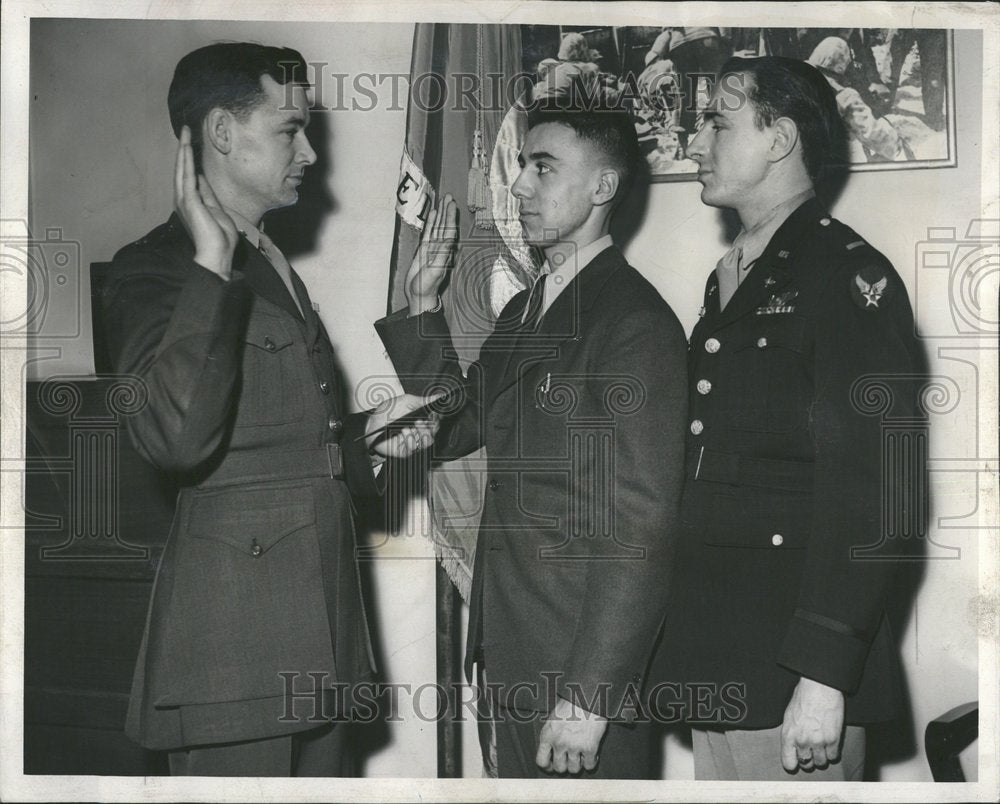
(257, 586)
(579, 397)
(776, 606)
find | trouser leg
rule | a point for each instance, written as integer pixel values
(324, 751)
(755, 755)
(713, 761)
(268, 757)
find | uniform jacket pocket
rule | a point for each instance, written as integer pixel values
(271, 385)
(247, 599)
(251, 520)
(767, 379)
(761, 521)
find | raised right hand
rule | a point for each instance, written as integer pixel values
(212, 230)
(433, 258)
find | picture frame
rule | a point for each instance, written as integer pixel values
(894, 86)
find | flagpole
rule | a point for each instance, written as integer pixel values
(448, 629)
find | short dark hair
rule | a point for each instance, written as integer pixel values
(226, 75)
(784, 87)
(610, 130)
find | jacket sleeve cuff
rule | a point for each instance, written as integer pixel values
(619, 702)
(416, 347)
(825, 650)
(358, 470)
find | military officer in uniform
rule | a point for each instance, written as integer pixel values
(256, 621)
(773, 591)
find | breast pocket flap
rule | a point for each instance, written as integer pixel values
(268, 339)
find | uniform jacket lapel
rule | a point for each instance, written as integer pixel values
(770, 273)
(263, 279)
(311, 323)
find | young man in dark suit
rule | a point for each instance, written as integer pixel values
(782, 571)
(257, 587)
(579, 397)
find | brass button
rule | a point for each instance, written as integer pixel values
(712, 345)
(324, 386)
(256, 549)
(777, 540)
(703, 386)
(761, 343)
(494, 484)
(334, 424)
(824, 221)
(697, 427)
(269, 345)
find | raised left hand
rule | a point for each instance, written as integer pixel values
(570, 739)
(812, 727)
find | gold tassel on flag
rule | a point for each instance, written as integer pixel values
(478, 188)
(480, 197)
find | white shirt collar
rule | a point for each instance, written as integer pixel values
(584, 256)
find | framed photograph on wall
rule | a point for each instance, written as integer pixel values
(894, 86)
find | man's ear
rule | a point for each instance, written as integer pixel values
(217, 130)
(786, 134)
(608, 183)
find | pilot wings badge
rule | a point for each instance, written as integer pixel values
(778, 303)
(871, 292)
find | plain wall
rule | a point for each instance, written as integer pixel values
(101, 160)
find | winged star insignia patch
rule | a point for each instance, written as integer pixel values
(869, 288)
(871, 292)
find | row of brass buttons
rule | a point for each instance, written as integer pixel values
(704, 386)
(712, 345)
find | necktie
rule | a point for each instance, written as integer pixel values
(728, 269)
(535, 307)
(266, 247)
